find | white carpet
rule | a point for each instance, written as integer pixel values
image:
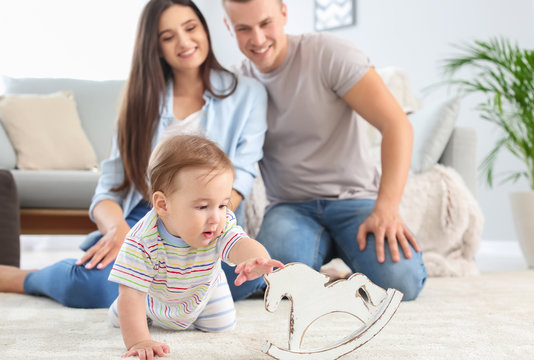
(490, 316)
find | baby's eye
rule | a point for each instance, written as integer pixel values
(202, 207)
(222, 206)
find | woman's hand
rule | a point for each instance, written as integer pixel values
(254, 268)
(106, 249)
(146, 350)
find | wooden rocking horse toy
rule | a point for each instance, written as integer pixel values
(311, 299)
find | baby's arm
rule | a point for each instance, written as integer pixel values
(132, 318)
(252, 260)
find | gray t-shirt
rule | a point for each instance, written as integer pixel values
(315, 146)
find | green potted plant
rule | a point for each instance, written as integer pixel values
(504, 73)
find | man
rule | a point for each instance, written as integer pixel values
(326, 199)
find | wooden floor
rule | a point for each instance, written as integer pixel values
(55, 221)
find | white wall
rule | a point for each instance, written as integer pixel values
(94, 40)
(62, 38)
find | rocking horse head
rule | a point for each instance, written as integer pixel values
(292, 278)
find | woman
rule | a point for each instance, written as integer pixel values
(175, 86)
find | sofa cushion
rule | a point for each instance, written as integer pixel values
(56, 189)
(8, 158)
(433, 126)
(398, 84)
(97, 103)
(46, 133)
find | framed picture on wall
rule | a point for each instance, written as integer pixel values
(334, 14)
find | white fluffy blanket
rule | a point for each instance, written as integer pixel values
(437, 207)
(446, 219)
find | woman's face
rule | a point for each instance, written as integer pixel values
(183, 42)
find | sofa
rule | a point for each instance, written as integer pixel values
(57, 200)
(439, 202)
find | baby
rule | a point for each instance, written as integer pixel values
(169, 267)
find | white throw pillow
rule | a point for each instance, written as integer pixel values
(8, 158)
(433, 126)
(46, 132)
(398, 84)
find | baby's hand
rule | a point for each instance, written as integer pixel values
(147, 349)
(254, 268)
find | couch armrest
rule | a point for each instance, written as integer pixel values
(461, 154)
(9, 220)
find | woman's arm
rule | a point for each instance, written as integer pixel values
(235, 200)
(110, 221)
(250, 143)
(106, 211)
(111, 176)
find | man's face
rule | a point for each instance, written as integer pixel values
(258, 26)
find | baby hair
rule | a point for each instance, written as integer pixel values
(181, 151)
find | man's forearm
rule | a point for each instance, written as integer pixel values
(396, 150)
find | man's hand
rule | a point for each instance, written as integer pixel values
(387, 224)
(147, 349)
(106, 249)
(254, 268)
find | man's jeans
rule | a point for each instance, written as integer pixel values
(314, 232)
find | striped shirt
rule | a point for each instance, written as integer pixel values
(177, 278)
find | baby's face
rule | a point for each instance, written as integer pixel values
(196, 211)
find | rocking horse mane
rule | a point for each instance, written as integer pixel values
(293, 274)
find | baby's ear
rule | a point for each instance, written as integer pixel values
(160, 203)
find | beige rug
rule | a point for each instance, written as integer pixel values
(490, 316)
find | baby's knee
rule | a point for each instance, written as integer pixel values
(217, 326)
(113, 315)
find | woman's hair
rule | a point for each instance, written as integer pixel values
(146, 87)
(179, 152)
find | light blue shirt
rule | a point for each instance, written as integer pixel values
(236, 123)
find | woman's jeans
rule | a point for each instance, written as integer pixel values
(73, 285)
(314, 232)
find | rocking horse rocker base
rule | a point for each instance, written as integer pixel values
(311, 299)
